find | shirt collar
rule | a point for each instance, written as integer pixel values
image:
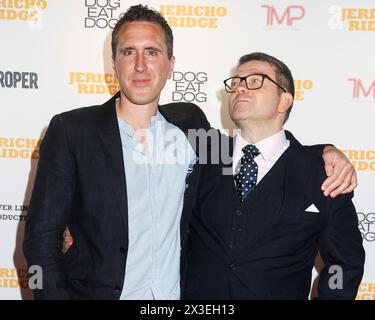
(268, 147)
(157, 117)
(129, 130)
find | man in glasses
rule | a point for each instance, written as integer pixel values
(255, 234)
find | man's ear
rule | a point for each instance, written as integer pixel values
(171, 66)
(114, 66)
(286, 102)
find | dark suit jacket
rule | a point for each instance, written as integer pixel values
(80, 183)
(265, 247)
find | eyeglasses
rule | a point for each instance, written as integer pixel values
(253, 82)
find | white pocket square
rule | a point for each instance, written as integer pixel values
(312, 208)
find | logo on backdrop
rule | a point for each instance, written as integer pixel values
(193, 16)
(13, 212)
(102, 13)
(94, 83)
(301, 86)
(27, 10)
(366, 224)
(352, 19)
(289, 16)
(362, 160)
(14, 278)
(188, 86)
(19, 148)
(362, 90)
(18, 79)
(366, 291)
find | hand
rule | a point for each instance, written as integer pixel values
(342, 177)
(68, 240)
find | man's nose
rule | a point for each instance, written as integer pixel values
(140, 63)
(241, 87)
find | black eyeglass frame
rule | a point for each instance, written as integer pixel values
(227, 87)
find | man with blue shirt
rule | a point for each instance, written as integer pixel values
(119, 175)
(153, 174)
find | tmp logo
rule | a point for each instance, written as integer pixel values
(362, 90)
(284, 17)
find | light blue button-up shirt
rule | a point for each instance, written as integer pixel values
(155, 182)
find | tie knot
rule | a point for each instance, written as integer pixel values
(250, 150)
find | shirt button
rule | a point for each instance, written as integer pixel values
(239, 212)
(118, 288)
(233, 267)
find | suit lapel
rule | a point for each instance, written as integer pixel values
(111, 143)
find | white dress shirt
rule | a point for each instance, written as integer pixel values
(270, 148)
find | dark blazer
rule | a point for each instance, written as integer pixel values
(265, 247)
(81, 183)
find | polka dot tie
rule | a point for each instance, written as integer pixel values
(246, 178)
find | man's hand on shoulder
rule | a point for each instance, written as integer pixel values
(342, 177)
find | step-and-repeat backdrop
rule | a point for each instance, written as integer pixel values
(55, 56)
